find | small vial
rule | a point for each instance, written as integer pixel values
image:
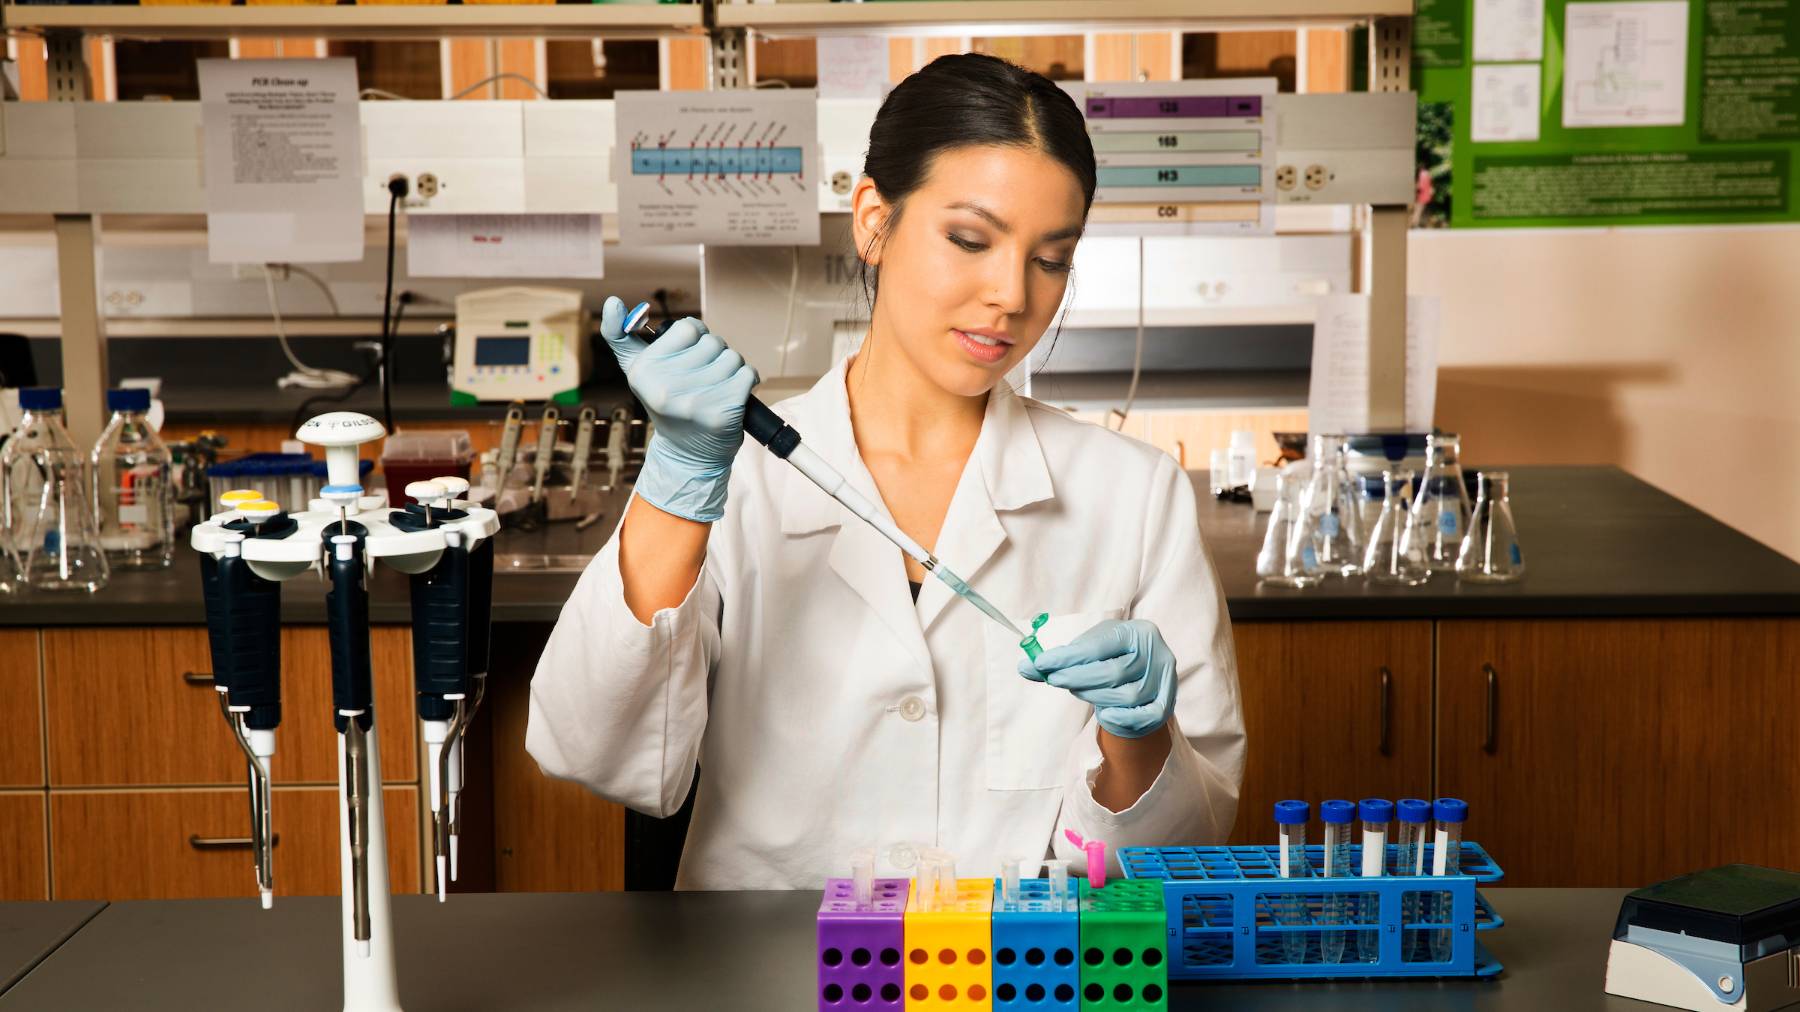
(1060, 895)
(862, 875)
(1446, 860)
(1030, 643)
(1375, 814)
(1409, 859)
(1338, 817)
(1290, 821)
(1009, 882)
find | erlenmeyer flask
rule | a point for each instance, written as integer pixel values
(1329, 511)
(62, 542)
(1443, 502)
(1286, 560)
(1394, 554)
(1490, 550)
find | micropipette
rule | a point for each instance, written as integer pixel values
(766, 427)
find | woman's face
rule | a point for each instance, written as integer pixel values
(977, 263)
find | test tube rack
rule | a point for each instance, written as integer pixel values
(1223, 919)
(1102, 950)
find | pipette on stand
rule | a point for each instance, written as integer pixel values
(768, 428)
(546, 450)
(584, 445)
(508, 451)
(481, 597)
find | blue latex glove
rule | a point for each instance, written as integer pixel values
(1122, 667)
(695, 389)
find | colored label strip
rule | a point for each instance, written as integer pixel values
(1174, 106)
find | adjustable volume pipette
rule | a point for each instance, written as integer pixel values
(766, 427)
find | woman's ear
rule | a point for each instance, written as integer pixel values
(868, 216)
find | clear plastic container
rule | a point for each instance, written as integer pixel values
(1490, 550)
(1241, 457)
(1338, 817)
(1286, 560)
(1330, 515)
(134, 505)
(48, 512)
(1376, 814)
(1290, 822)
(1446, 860)
(1443, 502)
(1413, 817)
(1394, 556)
(420, 455)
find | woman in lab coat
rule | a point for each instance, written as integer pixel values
(836, 695)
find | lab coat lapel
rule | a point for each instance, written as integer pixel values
(1006, 471)
(870, 564)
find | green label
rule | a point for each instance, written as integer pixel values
(1439, 31)
(1625, 186)
(1750, 71)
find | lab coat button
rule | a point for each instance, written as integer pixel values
(912, 708)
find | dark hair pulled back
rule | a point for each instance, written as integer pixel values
(962, 100)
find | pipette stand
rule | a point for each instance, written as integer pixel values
(370, 980)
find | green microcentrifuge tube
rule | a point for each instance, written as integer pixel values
(1030, 643)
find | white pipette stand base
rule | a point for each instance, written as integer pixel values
(371, 983)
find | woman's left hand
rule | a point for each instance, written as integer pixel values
(1122, 667)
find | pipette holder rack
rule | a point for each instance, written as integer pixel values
(1123, 963)
(860, 947)
(1223, 902)
(1035, 947)
(948, 948)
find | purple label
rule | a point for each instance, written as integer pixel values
(1174, 106)
(1251, 106)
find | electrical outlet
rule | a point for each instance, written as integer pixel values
(840, 182)
(1285, 177)
(1317, 176)
(427, 185)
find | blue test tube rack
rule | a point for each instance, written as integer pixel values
(1223, 907)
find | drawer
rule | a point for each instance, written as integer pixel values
(24, 873)
(131, 706)
(21, 714)
(138, 845)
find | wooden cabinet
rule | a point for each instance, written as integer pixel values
(1332, 710)
(21, 732)
(132, 845)
(1621, 752)
(22, 864)
(136, 706)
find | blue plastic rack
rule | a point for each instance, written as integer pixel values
(1224, 906)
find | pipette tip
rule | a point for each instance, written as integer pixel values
(440, 876)
(362, 948)
(268, 899)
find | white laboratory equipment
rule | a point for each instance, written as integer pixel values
(444, 544)
(1724, 938)
(521, 343)
(1338, 817)
(133, 500)
(1290, 823)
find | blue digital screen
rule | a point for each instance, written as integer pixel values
(491, 351)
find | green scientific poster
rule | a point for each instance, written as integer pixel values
(1610, 112)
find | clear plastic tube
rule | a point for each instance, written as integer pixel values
(1058, 870)
(862, 875)
(1009, 882)
(1446, 860)
(1338, 817)
(1290, 818)
(1409, 859)
(1376, 814)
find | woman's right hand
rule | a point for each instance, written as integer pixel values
(695, 389)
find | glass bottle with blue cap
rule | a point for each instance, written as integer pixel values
(133, 504)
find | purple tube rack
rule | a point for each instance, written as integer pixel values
(859, 948)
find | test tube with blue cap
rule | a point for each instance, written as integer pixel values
(1337, 816)
(1376, 814)
(1414, 815)
(1450, 814)
(1290, 821)
(766, 427)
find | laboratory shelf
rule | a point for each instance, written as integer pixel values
(371, 21)
(1021, 17)
(1231, 916)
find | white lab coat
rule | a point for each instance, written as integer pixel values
(830, 712)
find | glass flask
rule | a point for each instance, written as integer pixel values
(1286, 560)
(1490, 550)
(64, 550)
(132, 498)
(1329, 515)
(22, 474)
(1394, 555)
(1443, 501)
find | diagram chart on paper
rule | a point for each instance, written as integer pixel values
(736, 168)
(1625, 64)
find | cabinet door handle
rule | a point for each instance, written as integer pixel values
(1490, 743)
(197, 677)
(226, 842)
(1387, 711)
